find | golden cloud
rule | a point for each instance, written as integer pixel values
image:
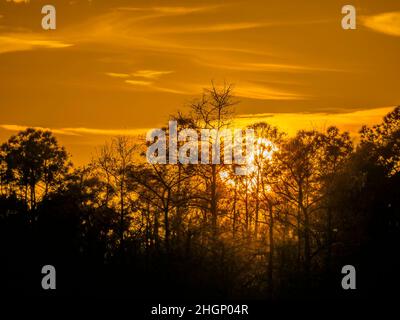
(117, 75)
(79, 131)
(139, 82)
(19, 1)
(10, 43)
(169, 10)
(150, 74)
(223, 27)
(265, 93)
(387, 23)
(15, 127)
(150, 86)
(293, 122)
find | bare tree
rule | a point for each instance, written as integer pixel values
(213, 111)
(114, 161)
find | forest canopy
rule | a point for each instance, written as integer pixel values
(309, 204)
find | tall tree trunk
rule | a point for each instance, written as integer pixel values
(247, 215)
(307, 246)
(214, 208)
(107, 188)
(299, 226)
(234, 213)
(121, 219)
(328, 242)
(148, 236)
(257, 205)
(155, 231)
(26, 196)
(179, 233)
(33, 194)
(271, 250)
(166, 221)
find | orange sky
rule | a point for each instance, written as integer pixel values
(122, 66)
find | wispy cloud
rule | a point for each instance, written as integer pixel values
(232, 26)
(254, 91)
(139, 82)
(19, 1)
(79, 131)
(170, 90)
(15, 127)
(387, 23)
(149, 85)
(180, 10)
(150, 74)
(146, 74)
(13, 42)
(146, 80)
(147, 13)
(223, 27)
(292, 122)
(265, 67)
(107, 132)
(118, 75)
(245, 90)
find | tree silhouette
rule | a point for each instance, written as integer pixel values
(309, 204)
(33, 159)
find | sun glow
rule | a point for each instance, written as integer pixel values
(261, 156)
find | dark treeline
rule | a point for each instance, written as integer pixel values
(121, 226)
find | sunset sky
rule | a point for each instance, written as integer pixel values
(121, 67)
